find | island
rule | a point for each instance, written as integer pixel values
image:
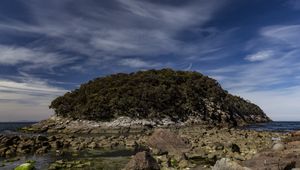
(160, 119)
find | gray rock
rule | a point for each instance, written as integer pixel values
(142, 161)
(227, 164)
(168, 142)
(278, 147)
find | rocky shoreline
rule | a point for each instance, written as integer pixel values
(172, 147)
(57, 124)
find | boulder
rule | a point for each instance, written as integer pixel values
(166, 141)
(227, 164)
(41, 138)
(278, 147)
(142, 161)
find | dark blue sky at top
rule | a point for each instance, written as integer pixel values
(49, 47)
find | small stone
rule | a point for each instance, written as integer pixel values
(219, 146)
(278, 147)
(183, 164)
(93, 145)
(235, 148)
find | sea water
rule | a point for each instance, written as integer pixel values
(13, 126)
(280, 126)
(276, 126)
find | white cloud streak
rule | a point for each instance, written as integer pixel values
(138, 63)
(260, 56)
(287, 34)
(10, 55)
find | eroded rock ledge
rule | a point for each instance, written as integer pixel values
(57, 124)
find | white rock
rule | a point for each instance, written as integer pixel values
(278, 147)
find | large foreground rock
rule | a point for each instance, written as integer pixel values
(142, 161)
(227, 164)
(165, 141)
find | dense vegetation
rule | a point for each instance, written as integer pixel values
(150, 94)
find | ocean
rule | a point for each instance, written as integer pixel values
(12, 126)
(279, 126)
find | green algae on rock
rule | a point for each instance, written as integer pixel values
(25, 166)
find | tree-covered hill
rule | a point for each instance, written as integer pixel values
(156, 94)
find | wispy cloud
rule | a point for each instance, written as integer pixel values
(259, 56)
(12, 55)
(119, 28)
(138, 63)
(28, 86)
(287, 34)
(275, 78)
(26, 99)
(294, 4)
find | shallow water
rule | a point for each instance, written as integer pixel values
(100, 159)
(277, 126)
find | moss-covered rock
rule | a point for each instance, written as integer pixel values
(25, 166)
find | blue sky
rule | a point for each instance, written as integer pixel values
(49, 47)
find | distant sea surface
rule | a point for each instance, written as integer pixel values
(12, 126)
(278, 126)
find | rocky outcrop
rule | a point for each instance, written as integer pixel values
(57, 124)
(142, 161)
